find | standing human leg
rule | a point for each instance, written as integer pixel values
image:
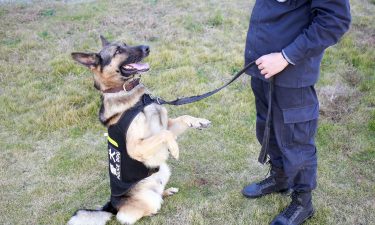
(295, 115)
(277, 181)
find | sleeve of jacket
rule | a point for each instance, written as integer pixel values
(331, 19)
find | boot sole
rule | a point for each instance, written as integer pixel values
(309, 216)
(303, 221)
(283, 192)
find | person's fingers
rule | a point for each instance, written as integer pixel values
(263, 72)
(259, 61)
(269, 75)
(260, 67)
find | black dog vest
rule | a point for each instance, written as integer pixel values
(125, 172)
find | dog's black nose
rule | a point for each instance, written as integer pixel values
(145, 49)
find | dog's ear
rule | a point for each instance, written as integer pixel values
(105, 42)
(87, 59)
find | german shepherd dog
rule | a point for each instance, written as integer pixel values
(150, 137)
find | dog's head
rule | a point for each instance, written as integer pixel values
(116, 65)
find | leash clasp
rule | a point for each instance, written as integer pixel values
(157, 99)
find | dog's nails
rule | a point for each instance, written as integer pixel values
(202, 125)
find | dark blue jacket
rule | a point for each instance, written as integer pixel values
(301, 29)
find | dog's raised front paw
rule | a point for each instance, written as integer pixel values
(199, 123)
(173, 149)
(170, 140)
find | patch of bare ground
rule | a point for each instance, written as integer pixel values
(342, 97)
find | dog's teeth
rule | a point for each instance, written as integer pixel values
(128, 67)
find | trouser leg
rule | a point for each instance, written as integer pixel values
(277, 181)
(295, 113)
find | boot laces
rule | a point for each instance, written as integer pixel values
(268, 180)
(293, 207)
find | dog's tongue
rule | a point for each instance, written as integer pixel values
(140, 66)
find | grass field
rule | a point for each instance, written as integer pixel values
(52, 148)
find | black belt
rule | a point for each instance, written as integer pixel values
(265, 143)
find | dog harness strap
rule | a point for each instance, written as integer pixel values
(125, 172)
(187, 100)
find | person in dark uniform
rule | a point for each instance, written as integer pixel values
(287, 38)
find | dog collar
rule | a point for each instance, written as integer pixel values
(127, 86)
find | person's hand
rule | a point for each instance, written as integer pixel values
(271, 64)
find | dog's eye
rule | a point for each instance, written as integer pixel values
(118, 51)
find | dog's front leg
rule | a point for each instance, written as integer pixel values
(178, 125)
(143, 149)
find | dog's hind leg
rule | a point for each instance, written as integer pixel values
(145, 203)
(169, 192)
(129, 214)
(178, 125)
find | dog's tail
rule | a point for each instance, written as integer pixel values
(92, 216)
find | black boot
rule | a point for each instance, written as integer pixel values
(299, 210)
(275, 183)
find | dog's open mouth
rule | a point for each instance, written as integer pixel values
(134, 68)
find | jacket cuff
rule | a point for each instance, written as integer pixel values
(287, 58)
(290, 55)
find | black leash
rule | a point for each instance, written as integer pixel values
(191, 99)
(266, 136)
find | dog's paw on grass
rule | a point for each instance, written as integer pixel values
(170, 191)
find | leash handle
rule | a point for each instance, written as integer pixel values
(191, 99)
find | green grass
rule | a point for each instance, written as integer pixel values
(53, 155)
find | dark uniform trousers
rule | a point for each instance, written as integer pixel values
(292, 147)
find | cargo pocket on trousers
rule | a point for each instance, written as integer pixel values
(299, 124)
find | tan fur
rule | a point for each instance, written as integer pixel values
(108, 77)
(117, 103)
(151, 137)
